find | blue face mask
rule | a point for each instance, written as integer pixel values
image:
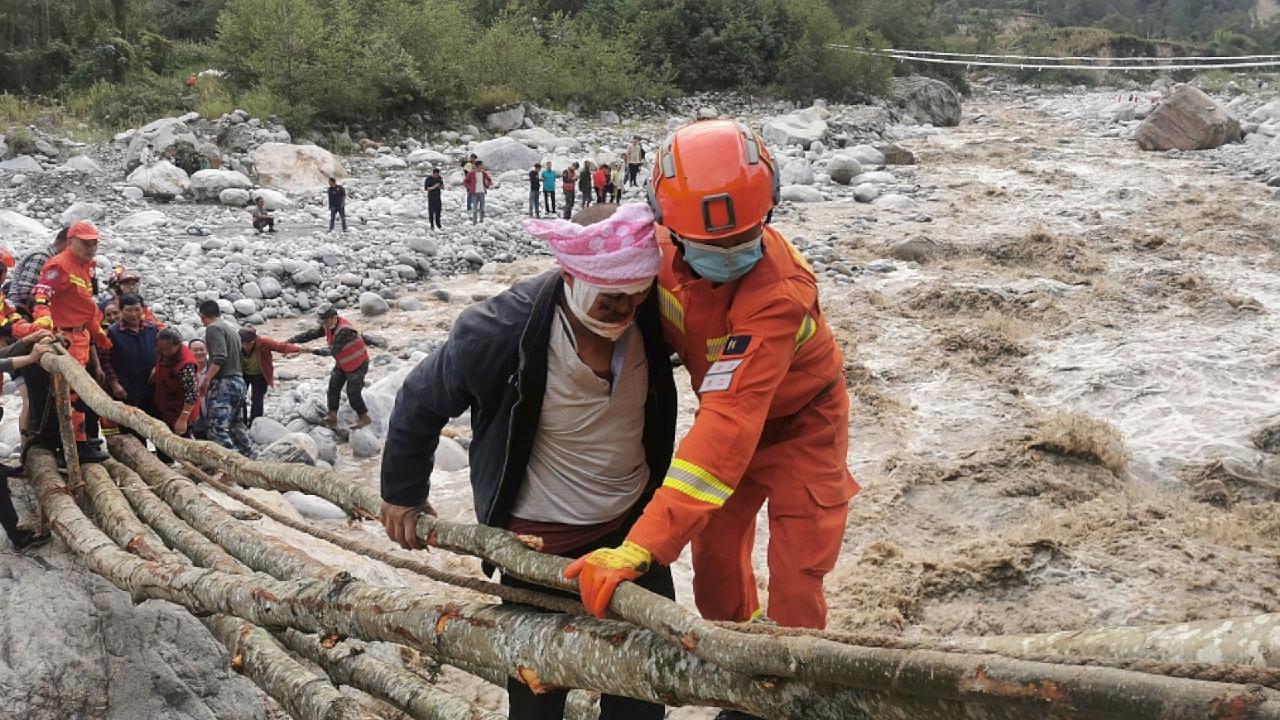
(723, 265)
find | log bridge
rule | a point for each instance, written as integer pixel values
(297, 627)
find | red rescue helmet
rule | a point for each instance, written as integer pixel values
(712, 179)
(6, 259)
(83, 230)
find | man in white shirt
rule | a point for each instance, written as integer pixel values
(573, 408)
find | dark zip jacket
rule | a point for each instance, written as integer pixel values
(495, 364)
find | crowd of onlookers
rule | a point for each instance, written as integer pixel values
(583, 183)
(207, 388)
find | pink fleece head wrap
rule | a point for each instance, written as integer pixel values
(619, 251)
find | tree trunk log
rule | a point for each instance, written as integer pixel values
(117, 519)
(304, 694)
(256, 550)
(176, 533)
(1253, 641)
(67, 431)
(518, 595)
(346, 664)
(556, 650)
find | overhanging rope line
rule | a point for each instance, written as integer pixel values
(1170, 58)
(1045, 66)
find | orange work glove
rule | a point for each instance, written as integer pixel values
(600, 572)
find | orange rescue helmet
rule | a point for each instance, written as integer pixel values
(6, 259)
(712, 179)
(83, 230)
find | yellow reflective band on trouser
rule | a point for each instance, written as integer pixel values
(671, 308)
(697, 483)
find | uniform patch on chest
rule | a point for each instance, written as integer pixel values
(736, 345)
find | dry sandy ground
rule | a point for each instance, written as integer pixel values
(1061, 395)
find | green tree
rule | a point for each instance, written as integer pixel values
(812, 67)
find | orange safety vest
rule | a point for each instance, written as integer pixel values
(757, 349)
(353, 354)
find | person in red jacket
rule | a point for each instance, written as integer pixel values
(350, 364)
(477, 182)
(177, 383)
(740, 307)
(599, 179)
(257, 363)
(64, 303)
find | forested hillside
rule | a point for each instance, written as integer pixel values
(118, 62)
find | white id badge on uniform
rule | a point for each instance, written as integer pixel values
(716, 383)
(724, 366)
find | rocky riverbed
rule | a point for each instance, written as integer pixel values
(1060, 349)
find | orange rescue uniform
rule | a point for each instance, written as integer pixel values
(772, 423)
(64, 294)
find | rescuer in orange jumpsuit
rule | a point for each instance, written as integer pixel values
(740, 306)
(64, 303)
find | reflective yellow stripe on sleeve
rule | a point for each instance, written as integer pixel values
(807, 330)
(696, 482)
(671, 308)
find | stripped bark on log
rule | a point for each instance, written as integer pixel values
(67, 431)
(557, 650)
(1253, 641)
(304, 694)
(347, 664)
(160, 517)
(117, 518)
(256, 550)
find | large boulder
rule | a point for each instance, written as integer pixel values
(82, 164)
(291, 448)
(372, 304)
(22, 164)
(843, 168)
(536, 137)
(143, 220)
(798, 172)
(866, 155)
(508, 118)
(427, 156)
(166, 136)
(801, 193)
(159, 178)
(209, 184)
(296, 168)
(802, 128)
(1187, 120)
(272, 199)
(927, 100)
(82, 211)
(74, 646)
(16, 228)
(234, 197)
(502, 154)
